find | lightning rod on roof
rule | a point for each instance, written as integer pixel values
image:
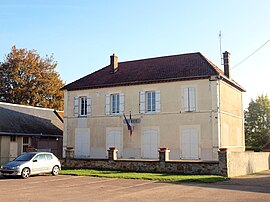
(220, 49)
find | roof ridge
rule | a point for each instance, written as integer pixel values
(25, 106)
(159, 57)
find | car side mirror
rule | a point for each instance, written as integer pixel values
(35, 160)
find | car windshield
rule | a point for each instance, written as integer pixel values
(25, 157)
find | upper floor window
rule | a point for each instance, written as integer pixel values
(149, 101)
(82, 106)
(189, 99)
(114, 104)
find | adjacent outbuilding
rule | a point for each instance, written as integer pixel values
(24, 128)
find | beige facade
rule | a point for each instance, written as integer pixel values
(216, 120)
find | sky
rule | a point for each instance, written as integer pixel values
(82, 34)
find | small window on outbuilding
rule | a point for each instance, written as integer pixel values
(13, 139)
(26, 143)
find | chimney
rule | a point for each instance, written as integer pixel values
(114, 63)
(226, 62)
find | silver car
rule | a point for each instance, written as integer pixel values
(32, 163)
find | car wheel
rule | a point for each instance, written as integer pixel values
(25, 173)
(55, 170)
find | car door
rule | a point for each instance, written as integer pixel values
(39, 164)
(50, 162)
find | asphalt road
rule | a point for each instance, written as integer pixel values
(77, 188)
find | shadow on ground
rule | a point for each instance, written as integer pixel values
(259, 182)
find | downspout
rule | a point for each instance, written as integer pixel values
(218, 113)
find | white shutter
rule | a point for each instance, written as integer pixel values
(190, 143)
(185, 142)
(76, 106)
(82, 143)
(107, 106)
(142, 102)
(122, 103)
(192, 99)
(194, 144)
(158, 101)
(150, 144)
(89, 105)
(185, 100)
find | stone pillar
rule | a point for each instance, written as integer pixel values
(69, 153)
(164, 154)
(223, 162)
(112, 153)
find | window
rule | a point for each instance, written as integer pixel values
(150, 101)
(83, 106)
(12, 138)
(49, 156)
(26, 143)
(115, 103)
(189, 99)
(40, 157)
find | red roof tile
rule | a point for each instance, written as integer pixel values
(152, 70)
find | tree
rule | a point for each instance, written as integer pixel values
(28, 79)
(257, 122)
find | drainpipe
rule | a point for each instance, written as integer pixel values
(218, 114)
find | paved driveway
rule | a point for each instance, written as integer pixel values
(75, 188)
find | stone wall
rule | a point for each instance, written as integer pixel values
(178, 167)
(242, 163)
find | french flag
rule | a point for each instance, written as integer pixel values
(128, 124)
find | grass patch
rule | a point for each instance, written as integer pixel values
(145, 176)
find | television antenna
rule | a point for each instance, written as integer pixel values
(220, 49)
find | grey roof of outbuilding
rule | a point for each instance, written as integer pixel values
(25, 120)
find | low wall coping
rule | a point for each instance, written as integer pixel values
(151, 160)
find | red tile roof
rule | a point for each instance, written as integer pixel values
(152, 70)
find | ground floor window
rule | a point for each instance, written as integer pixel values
(13, 138)
(26, 143)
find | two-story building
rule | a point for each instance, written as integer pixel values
(182, 102)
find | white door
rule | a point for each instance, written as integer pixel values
(114, 139)
(13, 150)
(150, 144)
(190, 143)
(82, 143)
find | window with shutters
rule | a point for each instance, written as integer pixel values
(114, 104)
(189, 99)
(83, 106)
(149, 101)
